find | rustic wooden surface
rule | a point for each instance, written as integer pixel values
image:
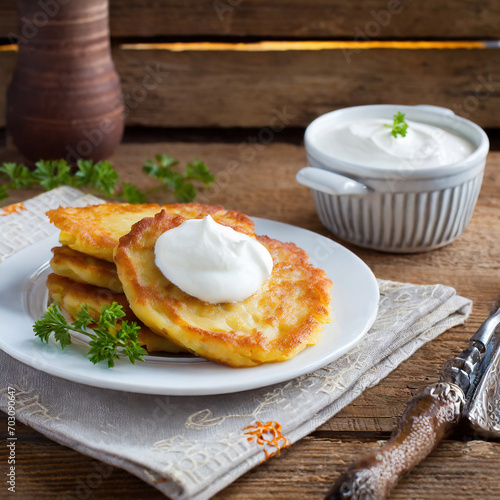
(293, 18)
(463, 465)
(249, 85)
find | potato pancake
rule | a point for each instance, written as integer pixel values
(284, 316)
(85, 269)
(96, 229)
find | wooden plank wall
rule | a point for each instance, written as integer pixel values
(286, 19)
(227, 63)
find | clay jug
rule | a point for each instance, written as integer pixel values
(65, 99)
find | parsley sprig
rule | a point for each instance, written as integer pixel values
(108, 340)
(180, 182)
(399, 125)
(101, 178)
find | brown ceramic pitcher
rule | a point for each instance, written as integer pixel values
(65, 99)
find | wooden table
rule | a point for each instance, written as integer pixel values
(464, 465)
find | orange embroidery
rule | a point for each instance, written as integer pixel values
(268, 435)
(13, 209)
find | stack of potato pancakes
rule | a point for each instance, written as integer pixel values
(107, 255)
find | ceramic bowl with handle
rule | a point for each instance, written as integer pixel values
(394, 209)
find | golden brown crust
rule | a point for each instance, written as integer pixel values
(284, 316)
(83, 268)
(237, 220)
(96, 229)
(71, 295)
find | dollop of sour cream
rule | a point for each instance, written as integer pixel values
(370, 143)
(212, 262)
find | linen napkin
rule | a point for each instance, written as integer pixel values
(192, 447)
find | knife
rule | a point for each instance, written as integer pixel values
(427, 419)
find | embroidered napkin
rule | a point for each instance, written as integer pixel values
(192, 447)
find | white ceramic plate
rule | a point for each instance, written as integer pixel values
(23, 295)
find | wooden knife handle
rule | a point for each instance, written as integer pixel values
(425, 422)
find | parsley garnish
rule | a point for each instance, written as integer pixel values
(399, 125)
(179, 182)
(133, 194)
(109, 341)
(101, 178)
(101, 175)
(3, 193)
(197, 170)
(18, 174)
(51, 174)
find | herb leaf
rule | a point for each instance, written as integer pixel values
(106, 177)
(52, 173)
(161, 169)
(53, 322)
(185, 192)
(3, 193)
(17, 173)
(166, 161)
(180, 183)
(86, 174)
(107, 335)
(83, 318)
(103, 179)
(132, 194)
(197, 170)
(399, 125)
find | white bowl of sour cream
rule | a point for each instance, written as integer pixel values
(376, 188)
